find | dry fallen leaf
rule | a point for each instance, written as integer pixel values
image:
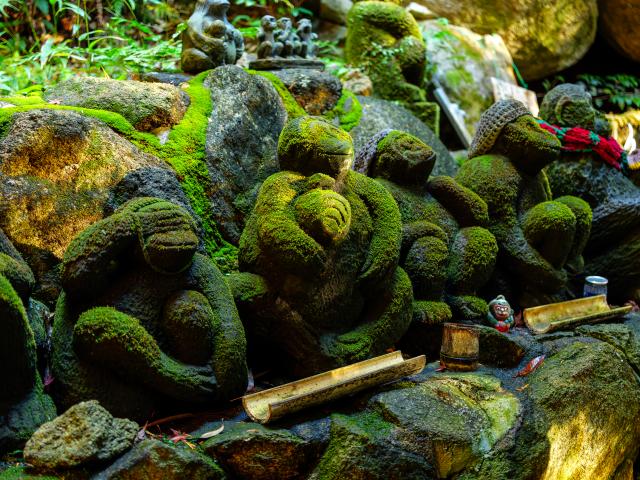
(212, 433)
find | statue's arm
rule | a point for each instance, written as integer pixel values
(466, 206)
(384, 247)
(278, 231)
(230, 346)
(94, 253)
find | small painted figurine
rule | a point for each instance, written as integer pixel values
(500, 314)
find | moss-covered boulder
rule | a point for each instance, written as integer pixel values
(324, 243)
(619, 24)
(145, 105)
(540, 240)
(23, 404)
(85, 434)
(316, 91)
(543, 37)
(584, 401)
(157, 460)
(57, 169)
(144, 322)
(453, 420)
(249, 451)
(458, 58)
(241, 141)
(385, 41)
(365, 447)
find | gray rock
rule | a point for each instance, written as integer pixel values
(146, 106)
(314, 90)
(380, 114)
(250, 451)
(175, 79)
(624, 337)
(241, 143)
(85, 434)
(543, 37)
(499, 349)
(21, 419)
(335, 10)
(153, 459)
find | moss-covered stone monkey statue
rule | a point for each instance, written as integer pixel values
(385, 40)
(446, 251)
(539, 239)
(144, 320)
(23, 404)
(613, 249)
(322, 247)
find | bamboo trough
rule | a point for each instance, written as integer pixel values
(567, 315)
(269, 405)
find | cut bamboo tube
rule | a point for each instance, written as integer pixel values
(567, 315)
(269, 405)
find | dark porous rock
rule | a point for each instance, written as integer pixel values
(380, 115)
(149, 182)
(175, 79)
(250, 451)
(56, 172)
(155, 460)
(581, 421)
(85, 434)
(498, 349)
(146, 106)
(315, 91)
(364, 447)
(452, 419)
(240, 149)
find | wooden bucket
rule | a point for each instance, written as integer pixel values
(460, 347)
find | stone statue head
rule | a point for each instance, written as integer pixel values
(284, 23)
(568, 105)
(508, 128)
(268, 23)
(168, 238)
(311, 145)
(403, 159)
(304, 27)
(217, 8)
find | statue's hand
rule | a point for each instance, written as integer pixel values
(349, 347)
(324, 215)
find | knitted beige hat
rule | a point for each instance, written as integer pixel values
(491, 123)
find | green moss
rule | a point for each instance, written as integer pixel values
(291, 106)
(23, 100)
(184, 150)
(387, 43)
(21, 473)
(431, 313)
(348, 111)
(473, 259)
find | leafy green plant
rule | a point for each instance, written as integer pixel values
(611, 93)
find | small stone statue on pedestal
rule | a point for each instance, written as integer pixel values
(282, 46)
(210, 40)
